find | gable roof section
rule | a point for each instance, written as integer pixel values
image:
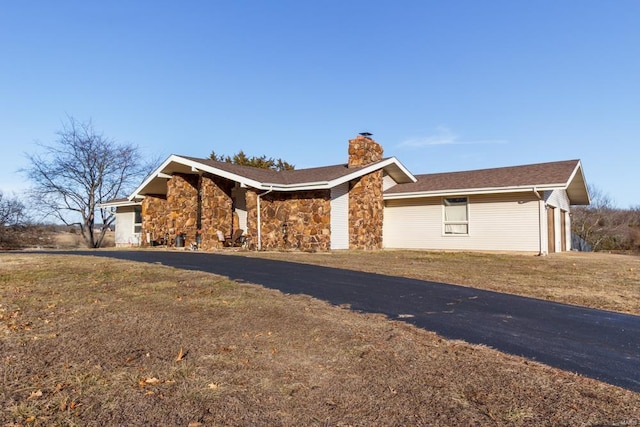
(265, 179)
(565, 175)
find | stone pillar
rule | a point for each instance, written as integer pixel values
(182, 202)
(216, 210)
(251, 197)
(154, 219)
(366, 208)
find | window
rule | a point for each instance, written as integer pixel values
(456, 216)
(137, 226)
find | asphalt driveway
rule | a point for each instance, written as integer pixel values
(594, 343)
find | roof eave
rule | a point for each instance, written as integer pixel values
(577, 189)
(119, 204)
(195, 166)
(471, 191)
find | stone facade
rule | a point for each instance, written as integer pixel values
(366, 205)
(182, 202)
(198, 205)
(194, 205)
(155, 215)
(216, 210)
(366, 212)
(307, 215)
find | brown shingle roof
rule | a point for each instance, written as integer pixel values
(296, 176)
(554, 173)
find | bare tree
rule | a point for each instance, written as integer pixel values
(12, 211)
(80, 170)
(12, 217)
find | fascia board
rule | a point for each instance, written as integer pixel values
(323, 185)
(470, 191)
(319, 185)
(195, 166)
(372, 168)
(119, 203)
(247, 182)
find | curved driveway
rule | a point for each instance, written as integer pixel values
(595, 343)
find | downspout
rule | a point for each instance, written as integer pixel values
(540, 252)
(259, 223)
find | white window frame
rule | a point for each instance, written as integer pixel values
(455, 201)
(137, 214)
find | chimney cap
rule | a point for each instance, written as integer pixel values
(366, 134)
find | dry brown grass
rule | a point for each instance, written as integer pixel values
(73, 240)
(597, 280)
(92, 341)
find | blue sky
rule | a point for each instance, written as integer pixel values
(442, 85)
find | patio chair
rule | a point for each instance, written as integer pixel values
(237, 239)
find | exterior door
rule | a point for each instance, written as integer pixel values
(563, 230)
(551, 228)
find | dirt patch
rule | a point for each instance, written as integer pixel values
(92, 341)
(596, 280)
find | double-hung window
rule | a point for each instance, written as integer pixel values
(456, 216)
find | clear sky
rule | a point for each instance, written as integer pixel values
(443, 85)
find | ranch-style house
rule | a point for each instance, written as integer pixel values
(371, 202)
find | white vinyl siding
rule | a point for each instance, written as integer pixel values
(558, 199)
(496, 222)
(340, 216)
(125, 234)
(240, 202)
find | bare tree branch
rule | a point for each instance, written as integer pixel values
(604, 227)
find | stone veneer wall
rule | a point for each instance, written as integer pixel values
(178, 212)
(216, 210)
(306, 213)
(182, 203)
(366, 212)
(155, 214)
(366, 205)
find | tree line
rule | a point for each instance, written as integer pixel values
(604, 227)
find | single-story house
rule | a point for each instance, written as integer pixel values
(371, 202)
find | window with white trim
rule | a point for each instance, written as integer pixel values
(137, 222)
(456, 216)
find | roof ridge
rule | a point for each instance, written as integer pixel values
(500, 168)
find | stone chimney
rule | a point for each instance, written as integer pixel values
(363, 150)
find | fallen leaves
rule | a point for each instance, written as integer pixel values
(151, 381)
(181, 355)
(35, 395)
